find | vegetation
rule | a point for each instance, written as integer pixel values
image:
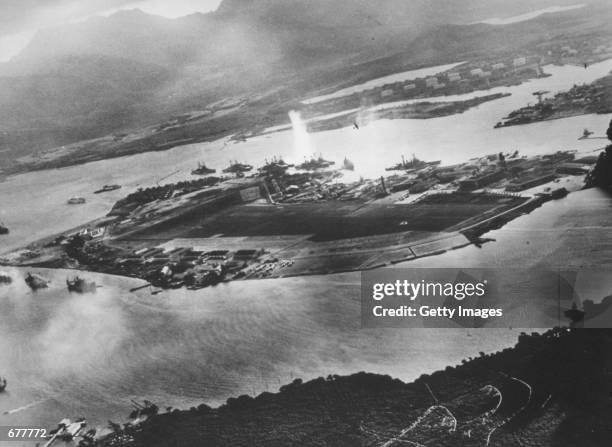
(601, 176)
(551, 389)
(148, 195)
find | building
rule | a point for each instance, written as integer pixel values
(572, 169)
(386, 93)
(431, 82)
(478, 72)
(519, 62)
(481, 181)
(454, 77)
(523, 184)
(250, 194)
(498, 66)
(423, 186)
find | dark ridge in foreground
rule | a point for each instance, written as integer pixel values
(601, 176)
(552, 389)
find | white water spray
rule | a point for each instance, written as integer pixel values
(302, 147)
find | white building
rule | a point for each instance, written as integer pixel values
(520, 61)
(386, 93)
(477, 72)
(454, 77)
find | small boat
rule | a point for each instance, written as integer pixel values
(203, 170)
(107, 188)
(3, 384)
(36, 282)
(80, 285)
(76, 201)
(3, 229)
(586, 133)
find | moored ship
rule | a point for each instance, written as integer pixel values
(203, 170)
(36, 282)
(275, 167)
(80, 285)
(5, 279)
(238, 168)
(348, 165)
(107, 188)
(315, 163)
(414, 163)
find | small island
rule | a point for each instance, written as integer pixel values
(289, 220)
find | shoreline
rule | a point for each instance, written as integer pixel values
(382, 256)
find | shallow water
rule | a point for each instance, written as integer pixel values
(530, 15)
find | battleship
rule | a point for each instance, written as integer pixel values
(5, 279)
(80, 285)
(315, 163)
(238, 168)
(413, 164)
(348, 165)
(76, 201)
(3, 229)
(107, 188)
(274, 168)
(203, 170)
(36, 282)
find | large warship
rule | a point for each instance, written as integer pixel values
(315, 163)
(348, 165)
(5, 278)
(36, 282)
(203, 170)
(414, 163)
(107, 188)
(275, 167)
(238, 168)
(80, 285)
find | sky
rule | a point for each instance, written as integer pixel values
(20, 19)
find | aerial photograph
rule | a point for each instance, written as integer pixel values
(352, 223)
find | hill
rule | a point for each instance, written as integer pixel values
(83, 80)
(552, 389)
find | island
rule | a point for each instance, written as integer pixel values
(288, 220)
